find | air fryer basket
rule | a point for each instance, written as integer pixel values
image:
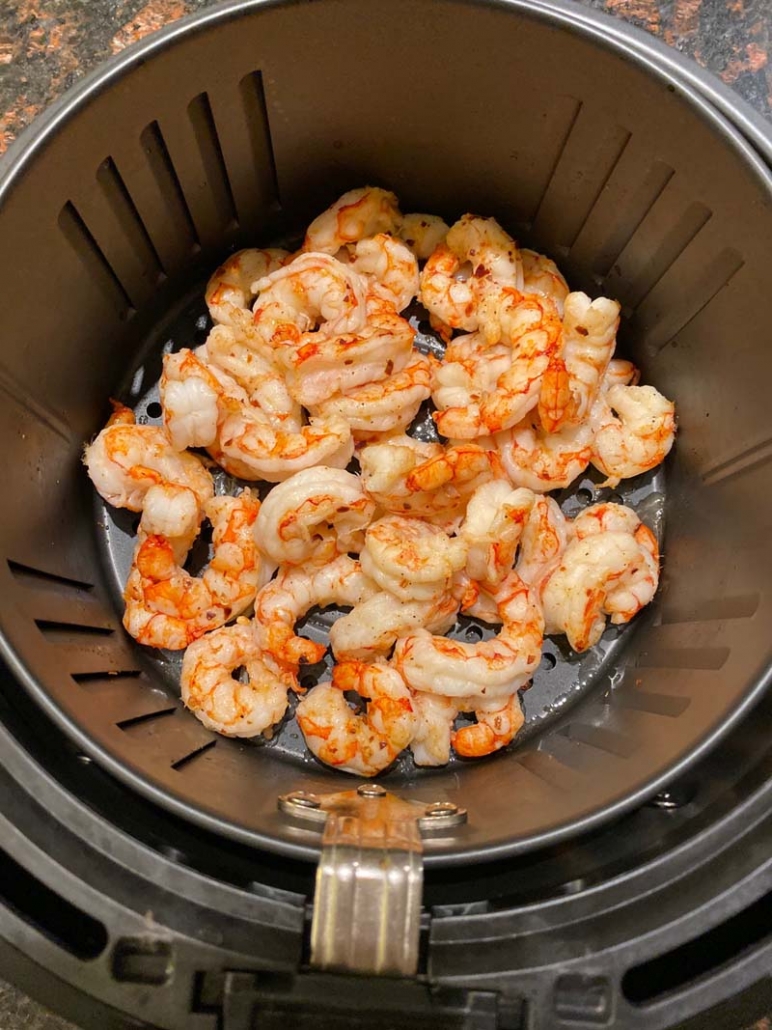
(236, 129)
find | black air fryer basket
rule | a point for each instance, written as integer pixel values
(612, 869)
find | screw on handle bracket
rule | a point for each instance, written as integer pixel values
(367, 905)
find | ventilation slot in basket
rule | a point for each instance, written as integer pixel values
(256, 111)
(681, 235)
(98, 268)
(70, 632)
(163, 172)
(634, 210)
(28, 576)
(183, 762)
(145, 719)
(747, 461)
(127, 216)
(716, 609)
(205, 130)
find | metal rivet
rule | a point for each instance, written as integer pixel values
(675, 797)
(303, 800)
(439, 808)
(371, 790)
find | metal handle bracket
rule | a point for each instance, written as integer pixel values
(367, 904)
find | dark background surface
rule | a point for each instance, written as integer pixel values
(47, 45)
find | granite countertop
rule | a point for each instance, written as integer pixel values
(47, 45)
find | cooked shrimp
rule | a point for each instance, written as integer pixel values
(530, 325)
(322, 364)
(575, 596)
(493, 257)
(229, 292)
(434, 724)
(234, 351)
(407, 477)
(634, 431)
(167, 607)
(288, 597)
(423, 234)
(411, 559)
(573, 380)
(196, 399)
(316, 514)
(490, 669)
(312, 292)
(354, 216)
(540, 275)
(620, 373)
(371, 628)
(221, 701)
(497, 725)
(494, 522)
(543, 541)
(385, 406)
(174, 513)
(251, 448)
(361, 744)
(470, 369)
(390, 266)
(540, 460)
(639, 585)
(125, 460)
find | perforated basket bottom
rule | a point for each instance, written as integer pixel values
(562, 678)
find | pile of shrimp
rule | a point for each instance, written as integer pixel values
(310, 371)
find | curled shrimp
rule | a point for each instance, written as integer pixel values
(384, 406)
(390, 266)
(236, 353)
(221, 701)
(496, 726)
(363, 744)
(489, 669)
(636, 589)
(434, 725)
(229, 292)
(412, 478)
(543, 461)
(530, 326)
(574, 377)
(470, 369)
(495, 517)
(294, 591)
(312, 292)
(174, 513)
(620, 373)
(125, 460)
(354, 216)
(540, 275)
(321, 364)
(196, 399)
(543, 541)
(251, 448)
(411, 559)
(634, 431)
(371, 628)
(599, 574)
(423, 234)
(492, 256)
(316, 514)
(167, 607)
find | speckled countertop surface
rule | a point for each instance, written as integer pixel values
(47, 45)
